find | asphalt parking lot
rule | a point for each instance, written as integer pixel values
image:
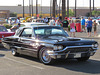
(25, 65)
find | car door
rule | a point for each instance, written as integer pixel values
(26, 39)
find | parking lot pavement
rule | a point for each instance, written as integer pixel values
(25, 65)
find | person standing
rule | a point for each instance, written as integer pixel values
(89, 26)
(83, 24)
(95, 28)
(52, 21)
(57, 22)
(65, 23)
(14, 28)
(72, 28)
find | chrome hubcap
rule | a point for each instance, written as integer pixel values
(45, 56)
(13, 52)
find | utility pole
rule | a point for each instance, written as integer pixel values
(23, 8)
(93, 4)
(63, 9)
(36, 7)
(59, 7)
(75, 7)
(90, 7)
(32, 7)
(67, 8)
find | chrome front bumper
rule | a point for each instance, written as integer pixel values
(59, 54)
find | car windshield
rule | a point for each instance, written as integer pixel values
(3, 29)
(49, 31)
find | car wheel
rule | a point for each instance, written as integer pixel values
(14, 53)
(44, 57)
(83, 59)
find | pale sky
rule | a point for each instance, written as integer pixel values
(80, 3)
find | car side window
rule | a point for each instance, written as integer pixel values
(27, 32)
(18, 31)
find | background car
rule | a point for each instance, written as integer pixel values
(4, 33)
(32, 24)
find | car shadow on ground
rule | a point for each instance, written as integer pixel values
(2, 55)
(90, 66)
(4, 49)
(29, 58)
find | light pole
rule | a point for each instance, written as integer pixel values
(23, 8)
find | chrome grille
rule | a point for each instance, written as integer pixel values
(76, 50)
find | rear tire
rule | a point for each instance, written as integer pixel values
(14, 52)
(83, 58)
(44, 57)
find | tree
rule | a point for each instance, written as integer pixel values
(63, 9)
(13, 14)
(98, 13)
(95, 13)
(71, 13)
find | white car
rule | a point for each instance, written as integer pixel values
(32, 24)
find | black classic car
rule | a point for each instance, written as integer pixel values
(49, 43)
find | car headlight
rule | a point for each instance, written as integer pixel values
(58, 47)
(95, 45)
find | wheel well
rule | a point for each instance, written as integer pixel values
(39, 50)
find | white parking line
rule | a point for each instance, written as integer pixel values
(24, 63)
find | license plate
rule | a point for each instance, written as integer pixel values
(77, 55)
(59, 56)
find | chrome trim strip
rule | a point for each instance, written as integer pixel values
(74, 47)
(25, 48)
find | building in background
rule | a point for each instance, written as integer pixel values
(6, 10)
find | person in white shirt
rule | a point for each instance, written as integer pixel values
(52, 22)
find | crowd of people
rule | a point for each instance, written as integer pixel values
(86, 26)
(68, 24)
(89, 24)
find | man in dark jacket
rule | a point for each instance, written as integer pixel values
(65, 23)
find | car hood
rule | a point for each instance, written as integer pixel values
(5, 34)
(69, 41)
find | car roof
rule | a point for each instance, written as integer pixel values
(33, 23)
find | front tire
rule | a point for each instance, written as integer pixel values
(44, 57)
(83, 58)
(14, 52)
